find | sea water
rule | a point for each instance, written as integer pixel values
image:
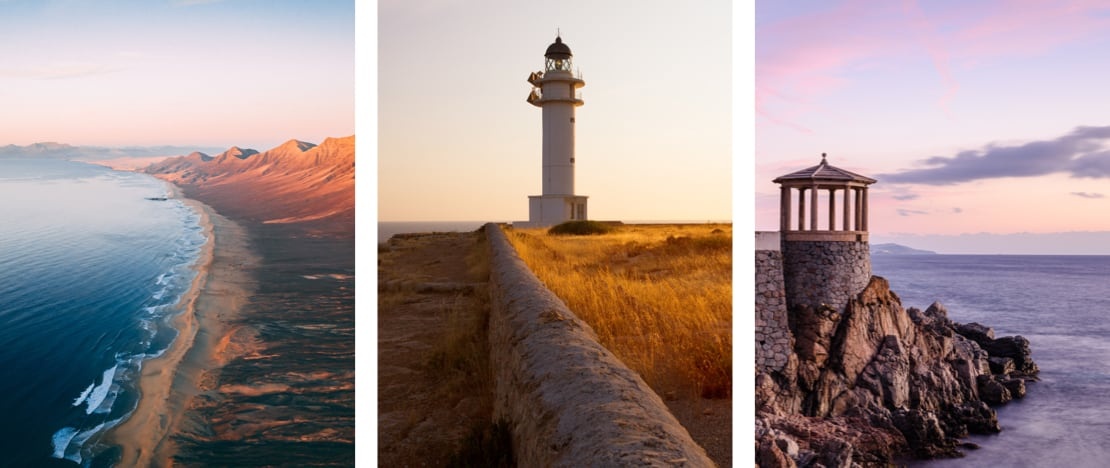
(91, 271)
(1062, 305)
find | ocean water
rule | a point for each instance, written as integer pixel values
(1062, 305)
(90, 274)
(387, 229)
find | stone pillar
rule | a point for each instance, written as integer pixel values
(832, 209)
(784, 210)
(847, 209)
(864, 227)
(859, 211)
(813, 210)
(801, 209)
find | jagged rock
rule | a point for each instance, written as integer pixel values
(836, 452)
(992, 391)
(975, 331)
(769, 455)
(969, 361)
(1013, 347)
(938, 311)
(1001, 365)
(788, 445)
(873, 382)
(923, 432)
(974, 417)
(1015, 386)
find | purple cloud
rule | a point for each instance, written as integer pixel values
(1087, 195)
(1082, 153)
(905, 212)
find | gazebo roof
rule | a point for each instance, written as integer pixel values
(824, 173)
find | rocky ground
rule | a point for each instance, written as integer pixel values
(427, 296)
(875, 383)
(709, 422)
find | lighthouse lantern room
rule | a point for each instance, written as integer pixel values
(555, 90)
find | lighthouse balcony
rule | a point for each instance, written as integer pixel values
(538, 99)
(550, 77)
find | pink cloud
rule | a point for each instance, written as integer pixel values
(1024, 27)
(804, 57)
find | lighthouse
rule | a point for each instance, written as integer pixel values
(555, 90)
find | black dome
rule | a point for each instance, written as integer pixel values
(558, 50)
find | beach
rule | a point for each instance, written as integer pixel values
(169, 382)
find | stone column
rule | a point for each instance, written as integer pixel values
(801, 209)
(832, 209)
(847, 209)
(813, 210)
(859, 211)
(864, 210)
(784, 209)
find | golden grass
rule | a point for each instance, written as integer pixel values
(658, 296)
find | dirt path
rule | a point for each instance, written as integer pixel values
(433, 382)
(709, 423)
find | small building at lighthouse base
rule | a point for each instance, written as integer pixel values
(549, 210)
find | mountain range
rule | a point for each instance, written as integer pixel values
(296, 183)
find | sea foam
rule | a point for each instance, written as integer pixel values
(85, 394)
(101, 391)
(61, 440)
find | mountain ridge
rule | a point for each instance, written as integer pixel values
(295, 183)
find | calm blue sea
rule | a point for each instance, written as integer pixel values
(1062, 305)
(90, 273)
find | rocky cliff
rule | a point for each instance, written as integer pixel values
(873, 382)
(295, 183)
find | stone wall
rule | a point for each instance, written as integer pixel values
(828, 273)
(773, 341)
(568, 400)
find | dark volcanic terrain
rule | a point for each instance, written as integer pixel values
(284, 394)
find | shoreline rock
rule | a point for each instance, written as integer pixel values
(874, 383)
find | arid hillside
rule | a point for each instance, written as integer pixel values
(296, 183)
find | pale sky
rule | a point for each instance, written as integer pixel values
(457, 141)
(176, 72)
(976, 117)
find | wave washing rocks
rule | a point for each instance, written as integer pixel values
(876, 383)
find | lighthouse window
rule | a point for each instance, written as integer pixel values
(572, 120)
(572, 160)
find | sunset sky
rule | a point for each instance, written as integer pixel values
(459, 142)
(207, 73)
(976, 117)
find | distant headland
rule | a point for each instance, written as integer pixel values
(898, 249)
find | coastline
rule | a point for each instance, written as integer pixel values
(168, 382)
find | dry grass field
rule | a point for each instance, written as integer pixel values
(658, 296)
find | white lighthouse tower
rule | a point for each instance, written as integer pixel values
(555, 91)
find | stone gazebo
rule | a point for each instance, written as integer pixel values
(824, 265)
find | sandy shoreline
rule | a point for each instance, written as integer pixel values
(169, 381)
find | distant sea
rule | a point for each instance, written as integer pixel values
(90, 274)
(1062, 305)
(387, 229)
